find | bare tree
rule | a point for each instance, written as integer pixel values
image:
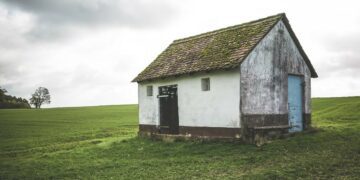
(40, 97)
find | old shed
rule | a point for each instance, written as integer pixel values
(232, 82)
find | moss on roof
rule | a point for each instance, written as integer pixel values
(216, 50)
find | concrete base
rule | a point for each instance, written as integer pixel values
(180, 137)
(258, 129)
(196, 131)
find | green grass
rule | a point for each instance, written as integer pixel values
(101, 143)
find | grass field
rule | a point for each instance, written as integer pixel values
(100, 142)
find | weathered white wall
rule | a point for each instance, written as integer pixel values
(218, 107)
(264, 74)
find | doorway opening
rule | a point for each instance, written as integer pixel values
(169, 114)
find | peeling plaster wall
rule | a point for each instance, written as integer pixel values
(218, 107)
(264, 74)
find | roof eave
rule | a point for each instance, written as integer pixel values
(138, 80)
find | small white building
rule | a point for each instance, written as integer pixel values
(232, 82)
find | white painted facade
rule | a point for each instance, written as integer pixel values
(218, 107)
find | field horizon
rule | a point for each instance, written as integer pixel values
(101, 142)
(137, 104)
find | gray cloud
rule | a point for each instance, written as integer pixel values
(343, 43)
(34, 33)
(55, 18)
(87, 52)
(343, 55)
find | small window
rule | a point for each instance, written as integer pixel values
(149, 90)
(205, 84)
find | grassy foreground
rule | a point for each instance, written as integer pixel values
(101, 143)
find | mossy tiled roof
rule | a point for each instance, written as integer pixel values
(216, 50)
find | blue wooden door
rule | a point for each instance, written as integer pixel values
(295, 103)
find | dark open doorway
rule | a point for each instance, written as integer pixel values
(169, 115)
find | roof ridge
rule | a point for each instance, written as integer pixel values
(221, 30)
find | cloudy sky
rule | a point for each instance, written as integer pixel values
(87, 52)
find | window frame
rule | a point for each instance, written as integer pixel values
(205, 84)
(149, 90)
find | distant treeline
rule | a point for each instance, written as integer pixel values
(12, 102)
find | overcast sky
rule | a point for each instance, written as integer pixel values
(87, 52)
